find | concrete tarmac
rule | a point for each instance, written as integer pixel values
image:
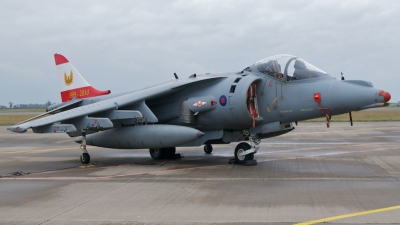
(342, 175)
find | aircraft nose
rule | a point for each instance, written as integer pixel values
(386, 95)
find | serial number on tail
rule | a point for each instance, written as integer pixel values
(80, 94)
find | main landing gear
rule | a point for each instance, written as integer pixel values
(208, 148)
(164, 153)
(244, 152)
(85, 157)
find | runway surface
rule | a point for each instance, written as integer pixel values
(341, 175)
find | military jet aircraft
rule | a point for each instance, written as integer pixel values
(261, 101)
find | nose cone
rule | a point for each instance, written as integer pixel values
(347, 96)
(386, 95)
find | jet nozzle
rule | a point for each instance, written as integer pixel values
(386, 95)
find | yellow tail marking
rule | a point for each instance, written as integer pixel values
(68, 79)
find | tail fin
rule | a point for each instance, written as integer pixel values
(73, 85)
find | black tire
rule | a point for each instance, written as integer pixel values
(243, 147)
(208, 148)
(171, 152)
(85, 158)
(157, 153)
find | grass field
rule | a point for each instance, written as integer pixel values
(361, 116)
(13, 119)
(21, 110)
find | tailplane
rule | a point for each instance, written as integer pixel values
(73, 85)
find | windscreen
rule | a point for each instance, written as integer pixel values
(288, 67)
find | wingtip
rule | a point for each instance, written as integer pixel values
(17, 129)
(60, 59)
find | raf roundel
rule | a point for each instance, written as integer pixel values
(222, 100)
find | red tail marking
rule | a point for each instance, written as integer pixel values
(83, 92)
(60, 59)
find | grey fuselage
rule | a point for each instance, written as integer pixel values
(278, 100)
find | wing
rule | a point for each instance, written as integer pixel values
(71, 103)
(78, 117)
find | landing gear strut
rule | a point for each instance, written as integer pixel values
(208, 148)
(85, 157)
(244, 152)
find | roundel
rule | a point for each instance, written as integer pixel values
(222, 100)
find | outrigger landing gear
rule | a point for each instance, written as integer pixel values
(85, 157)
(244, 152)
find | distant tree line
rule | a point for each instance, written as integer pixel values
(11, 105)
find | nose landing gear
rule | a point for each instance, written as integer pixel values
(244, 152)
(240, 153)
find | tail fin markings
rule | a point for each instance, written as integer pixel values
(73, 85)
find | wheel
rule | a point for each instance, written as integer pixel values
(208, 148)
(171, 152)
(85, 158)
(157, 153)
(240, 148)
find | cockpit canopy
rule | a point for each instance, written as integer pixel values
(287, 67)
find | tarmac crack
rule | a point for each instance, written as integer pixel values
(392, 176)
(90, 200)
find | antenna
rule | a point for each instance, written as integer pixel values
(176, 76)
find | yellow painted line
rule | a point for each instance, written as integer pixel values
(86, 166)
(41, 150)
(348, 215)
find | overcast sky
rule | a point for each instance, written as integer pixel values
(126, 45)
